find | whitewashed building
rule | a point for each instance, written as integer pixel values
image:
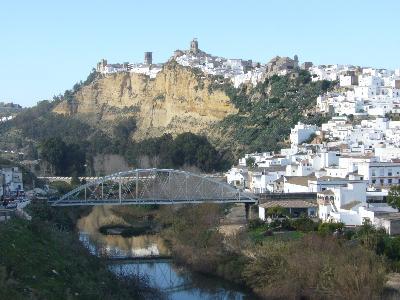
(11, 180)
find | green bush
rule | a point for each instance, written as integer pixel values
(255, 223)
(329, 228)
(304, 224)
(286, 224)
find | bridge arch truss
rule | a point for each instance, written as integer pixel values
(153, 186)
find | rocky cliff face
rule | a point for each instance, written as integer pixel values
(177, 100)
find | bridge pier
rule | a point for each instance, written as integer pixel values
(248, 211)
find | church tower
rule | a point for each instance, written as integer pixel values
(194, 46)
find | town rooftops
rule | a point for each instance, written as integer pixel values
(272, 168)
(388, 215)
(326, 192)
(357, 156)
(299, 180)
(351, 204)
(288, 204)
(331, 178)
(279, 156)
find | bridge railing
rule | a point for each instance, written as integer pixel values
(161, 186)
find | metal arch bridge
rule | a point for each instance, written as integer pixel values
(153, 186)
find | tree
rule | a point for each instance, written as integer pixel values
(393, 198)
(65, 159)
(124, 129)
(53, 150)
(31, 151)
(304, 224)
(329, 228)
(275, 211)
(250, 162)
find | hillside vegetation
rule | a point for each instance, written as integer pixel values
(247, 119)
(44, 259)
(268, 111)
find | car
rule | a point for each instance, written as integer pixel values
(12, 205)
(22, 199)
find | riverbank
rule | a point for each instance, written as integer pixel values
(294, 264)
(39, 260)
(147, 254)
(297, 264)
(289, 264)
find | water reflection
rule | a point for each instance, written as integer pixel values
(177, 282)
(114, 245)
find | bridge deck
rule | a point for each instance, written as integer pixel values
(147, 202)
(153, 186)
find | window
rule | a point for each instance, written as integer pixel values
(389, 172)
(373, 172)
(389, 181)
(381, 181)
(374, 181)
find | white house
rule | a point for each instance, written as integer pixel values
(12, 180)
(261, 180)
(380, 173)
(293, 207)
(238, 177)
(301, 168)
(301, 132)
(296, 184)
(340, 203)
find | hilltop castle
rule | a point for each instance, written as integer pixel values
(238, 70)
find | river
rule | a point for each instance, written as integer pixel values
(147, 256)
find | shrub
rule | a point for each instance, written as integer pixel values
(314, 267)
(286, 224)
(329, 228)
(304, 224)
(256, 223)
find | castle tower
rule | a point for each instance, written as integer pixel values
(101, 65)
(148, 58)
(194, 46)
(296, 61)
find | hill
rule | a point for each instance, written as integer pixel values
(177, 99)
(147, 120)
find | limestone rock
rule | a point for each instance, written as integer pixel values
(179, 99)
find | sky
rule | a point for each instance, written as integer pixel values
(47, 46)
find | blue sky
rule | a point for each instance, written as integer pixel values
(47, 46)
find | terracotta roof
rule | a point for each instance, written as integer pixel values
(350, 205)
(288, 204)
(327, 192)
(273, 168)
(299, 180)
(331, 178)
(388, 215)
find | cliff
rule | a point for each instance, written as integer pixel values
(179, 99)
